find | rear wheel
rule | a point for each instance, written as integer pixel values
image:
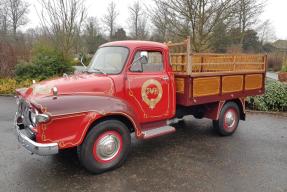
(105, 147)
(228, 120)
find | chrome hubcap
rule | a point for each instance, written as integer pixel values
(108, 147)
(230, 119)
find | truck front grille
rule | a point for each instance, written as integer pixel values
(23, 112)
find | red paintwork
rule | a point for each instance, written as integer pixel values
(85, 98)
(213, 110)
(114, 133)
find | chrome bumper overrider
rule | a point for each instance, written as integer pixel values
(32, 146)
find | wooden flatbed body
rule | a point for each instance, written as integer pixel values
(205, 78)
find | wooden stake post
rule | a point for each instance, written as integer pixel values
(188, 58)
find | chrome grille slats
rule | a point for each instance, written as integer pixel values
(20, 106)
(24, 111)
(26, 115)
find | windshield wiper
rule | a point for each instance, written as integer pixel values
(96, 69)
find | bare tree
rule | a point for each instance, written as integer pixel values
(92, 35)
(161, 22)
(8, 59)
(266, 32)
(109, 20)
(138, 20)
(92, 28)
(3, 18)
(62, 21)
(197, 18)
(247, 15)
(17, 11)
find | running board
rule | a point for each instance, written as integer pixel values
(158, 132)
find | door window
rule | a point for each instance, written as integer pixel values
(155, 61)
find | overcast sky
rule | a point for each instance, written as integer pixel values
(275, 11)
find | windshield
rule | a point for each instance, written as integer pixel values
(109, 60)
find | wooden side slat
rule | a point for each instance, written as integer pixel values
(206, 86)
(195, 64)
(176, 54)
(232, 84)
(203, 74)
(231, 63)
(179, 85)
(176, 44)
(253, 82)
(178, 64)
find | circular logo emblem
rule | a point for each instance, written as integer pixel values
(151, 92)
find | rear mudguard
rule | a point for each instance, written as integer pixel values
(213, 110)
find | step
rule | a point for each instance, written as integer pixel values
(156, 132)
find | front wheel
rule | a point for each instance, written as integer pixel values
(105, 147)
(228, 120)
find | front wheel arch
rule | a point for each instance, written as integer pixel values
(120, 118)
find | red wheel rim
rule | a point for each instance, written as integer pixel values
(230, 119)
(108, 146)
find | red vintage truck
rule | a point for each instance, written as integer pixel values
(135, 86)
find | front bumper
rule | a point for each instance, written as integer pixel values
(34, 147)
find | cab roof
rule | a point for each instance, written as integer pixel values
(134, 44)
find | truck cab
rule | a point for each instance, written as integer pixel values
(146, 80)
(129, 86)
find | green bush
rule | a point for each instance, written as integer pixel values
(46, 62)
(25, 70)
(275, 98)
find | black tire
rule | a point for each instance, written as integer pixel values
(198, 115)
(89, 152)
(227, 127)
(180, 124)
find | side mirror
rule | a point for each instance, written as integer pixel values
(137, 65)
(143, 60)
(144, 57)
(81, 61)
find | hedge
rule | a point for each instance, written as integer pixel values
(274, 99)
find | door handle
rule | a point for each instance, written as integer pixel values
(165, 78)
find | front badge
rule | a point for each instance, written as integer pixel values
(151, 92)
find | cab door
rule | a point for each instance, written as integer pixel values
(148, 86)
